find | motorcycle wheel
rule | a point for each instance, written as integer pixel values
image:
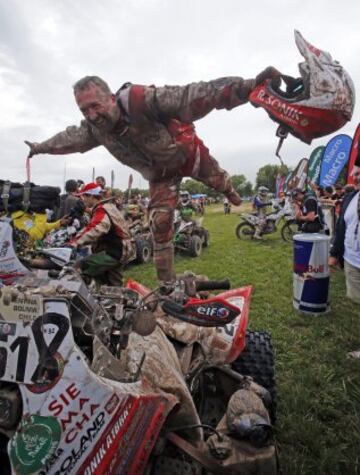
(143, 251)
(195, 247)
(257, 361)
(245, 230)
(288, 230)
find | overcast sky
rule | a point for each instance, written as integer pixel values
(45, 46)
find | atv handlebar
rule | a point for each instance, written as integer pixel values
(212, 285)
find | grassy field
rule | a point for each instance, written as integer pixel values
(318, 425)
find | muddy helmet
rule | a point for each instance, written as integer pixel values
(263, 191)
(318, 103)
(185, 198)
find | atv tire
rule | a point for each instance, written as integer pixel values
(245, 230)
(206, 238)
(143, 251)
(257, 361)
(195, 247)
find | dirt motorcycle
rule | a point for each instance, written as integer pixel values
(189, 237)
(108, 383)
(249, 222)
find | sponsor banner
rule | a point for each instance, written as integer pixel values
(353, 154)
(314, 165)
(336, 156)
(279, 185)
(286, 182)
(299, 175)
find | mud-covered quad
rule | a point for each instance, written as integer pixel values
(189, 237)
(143, 241)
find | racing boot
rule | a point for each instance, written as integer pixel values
(257, 235)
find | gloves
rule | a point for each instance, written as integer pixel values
(269, 73)
(32, 146)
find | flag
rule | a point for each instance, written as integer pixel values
(314, 165)
(336, 156)
(353, 154)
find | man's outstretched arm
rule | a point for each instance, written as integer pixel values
(73, 139)
(193, 101)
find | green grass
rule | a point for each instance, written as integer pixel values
(318, 426)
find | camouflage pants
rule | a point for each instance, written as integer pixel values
(103, 268)
(164, 195)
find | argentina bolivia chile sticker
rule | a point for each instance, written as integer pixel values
(34, 443)
(314, 165)
(336, 156)
(353, 155)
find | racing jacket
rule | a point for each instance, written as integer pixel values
(107, 231)
(155, 134)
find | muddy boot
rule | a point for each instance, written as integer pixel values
(257, 235)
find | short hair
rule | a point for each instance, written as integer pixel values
(71, 186)
(87, 81)
(329, 189)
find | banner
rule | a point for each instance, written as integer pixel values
(353, 154)
(286, 182)
(314, 166)
(277, 185)
(336, 156)
(299, 175)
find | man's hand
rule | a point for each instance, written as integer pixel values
(269, 73)
(32, 146)
(65, 220)
(333, 263)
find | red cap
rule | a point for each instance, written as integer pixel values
(91, 189)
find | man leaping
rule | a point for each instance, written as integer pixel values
(151, 130)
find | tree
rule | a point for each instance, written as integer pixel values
(241, 185)
(194, 187)
(266, 175)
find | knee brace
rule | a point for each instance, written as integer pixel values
(162, 224)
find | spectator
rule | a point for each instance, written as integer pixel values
(346, 247)
(68, 200)
(109, 237)
(80, 184)
(308, 212)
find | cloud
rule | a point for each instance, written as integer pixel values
(46, 46)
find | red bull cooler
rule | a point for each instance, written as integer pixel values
(311, 273)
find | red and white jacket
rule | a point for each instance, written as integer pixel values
(107, 231)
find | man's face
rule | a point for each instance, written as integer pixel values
(99, 109)
(100, 181)
(356, 176)
(89, 200)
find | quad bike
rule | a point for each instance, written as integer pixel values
(247, 228)
(129, 381)
(189, 237)
(143, 241)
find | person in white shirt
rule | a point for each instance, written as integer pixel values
(346, 247)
